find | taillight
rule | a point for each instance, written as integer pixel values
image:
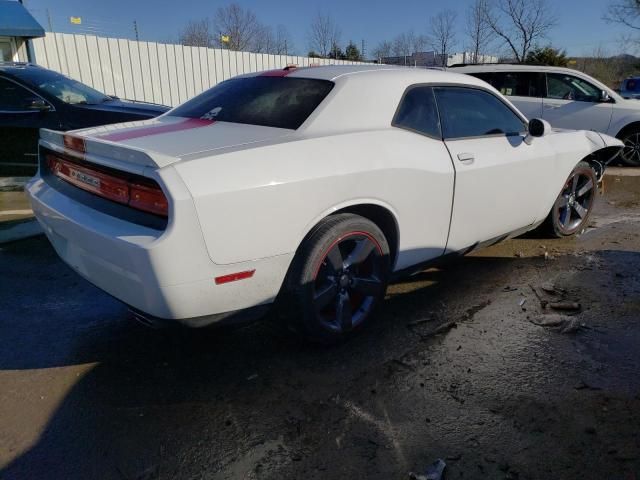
(148, 198)
(74, 143)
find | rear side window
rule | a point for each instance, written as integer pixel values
(521, 84)
(14, 98)
(468, 112)
(485, 76)
(282, 102)
(418, 112)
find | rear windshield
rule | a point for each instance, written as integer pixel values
(269, 101)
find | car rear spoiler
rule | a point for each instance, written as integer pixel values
(103, 152)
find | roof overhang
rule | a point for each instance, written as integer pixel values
(16, 21)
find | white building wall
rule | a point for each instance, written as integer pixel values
(149, 71)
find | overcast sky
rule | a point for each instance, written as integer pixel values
(580, 28)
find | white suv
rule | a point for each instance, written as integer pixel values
(566, 98)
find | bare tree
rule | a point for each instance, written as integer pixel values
(268, 40)
(408, 43)
(417, 42)
(240, 25)
(609, 69)
(443, 33)
(324, 34)
(520, 23)
(401, 46)
(283, 41)
(624, 12)
(264, 40)
(479, 32)
(197, 33)
(627, 14)
(383, 50)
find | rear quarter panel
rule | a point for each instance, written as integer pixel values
(261, 202)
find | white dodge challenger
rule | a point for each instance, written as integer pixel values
(314, 186)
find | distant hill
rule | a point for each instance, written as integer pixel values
(609, 70)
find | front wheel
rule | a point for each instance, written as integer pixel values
(338, 277)
(630, 154)
(571, 211)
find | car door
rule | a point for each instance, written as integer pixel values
(571, 102)
(431, 186)
(22, 114)
(499, 176)
(524, 89)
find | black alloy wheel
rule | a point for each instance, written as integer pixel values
(630, 154)
(338, 277)
(573, 206)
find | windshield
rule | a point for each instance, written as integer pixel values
(63, 88)
(269, 101)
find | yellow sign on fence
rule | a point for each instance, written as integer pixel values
(75, 20)
(224, 38)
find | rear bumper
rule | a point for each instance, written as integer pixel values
(243, 316)
(161, 274)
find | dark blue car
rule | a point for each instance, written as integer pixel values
(630, 88)
(33, 97)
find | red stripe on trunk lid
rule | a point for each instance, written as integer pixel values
(186, 124)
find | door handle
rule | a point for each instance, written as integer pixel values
(466, 158)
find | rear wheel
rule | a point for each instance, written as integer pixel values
(570, 213)
(630, 154)
(338, 277)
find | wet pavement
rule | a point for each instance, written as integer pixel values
(462, 363)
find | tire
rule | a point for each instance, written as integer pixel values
(337, 278)
(572, 209)
(630, 155)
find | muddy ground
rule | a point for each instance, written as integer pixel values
(85, 392)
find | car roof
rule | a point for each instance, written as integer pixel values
(20, 70)
(511, 67)
(16, 66)
(366, 97)
(372, 73)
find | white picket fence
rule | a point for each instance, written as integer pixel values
(149, 71)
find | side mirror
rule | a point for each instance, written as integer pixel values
(604, 96)
(537, 128)
(38, 104)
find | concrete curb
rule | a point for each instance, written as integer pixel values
(622, 172)
(19, 230)
(13, 184)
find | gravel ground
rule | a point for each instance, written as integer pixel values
(462, 363)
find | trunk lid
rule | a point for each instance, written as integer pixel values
(167, 139)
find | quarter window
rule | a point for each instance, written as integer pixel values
(568, 87)
(468, 112)
(418, 112)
